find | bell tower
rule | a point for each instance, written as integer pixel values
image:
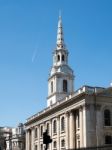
(61, 78)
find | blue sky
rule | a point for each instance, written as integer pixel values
(27, 39)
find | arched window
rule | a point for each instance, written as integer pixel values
(62, 124)
(54, 126)
(108, 139)
(55, 144)
(63, 143)
(41, 131)
(63, 58)
(64, 85)
(52, 87)
(77, 119)
(58, 57)
(36, 133)
(107, 118)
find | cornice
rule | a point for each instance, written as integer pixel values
(60, 74)
(57, 109)
(71, 102)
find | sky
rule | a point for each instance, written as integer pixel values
(28, 30)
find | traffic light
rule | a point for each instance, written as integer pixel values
(46, 138)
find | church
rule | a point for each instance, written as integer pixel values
(73, 118)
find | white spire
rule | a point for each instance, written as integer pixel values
(60, 38)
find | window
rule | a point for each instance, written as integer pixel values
(55, 145)
(35, 132)
(13, 143)
(35, 147)
(78, 144)
(52, 87)
(107, 119)
(63, 143)
(41, 131)
(63, 58)
(54, 126)
(50, 102)
(62, 124)
(64, 85)
(108, 139)
(48, 128)
(41, 146)
(58, 57)
(77, 119)
(19, 144)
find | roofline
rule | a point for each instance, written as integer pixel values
(81, 91)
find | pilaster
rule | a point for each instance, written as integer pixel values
(72, 130)
(50, 133)
(27, 141)
(84, 127)
(81, 125)
(58, 133)
(67, 130)
(32, 140)
(38, 137)
(98, 124)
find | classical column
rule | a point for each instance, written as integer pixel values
(38, 129)
(58, 133)
(98, 124)
(81, 125)
(72, 130)
(50, 133)
(84, 127)
(32, 136)
(67, 130)
(27, 141)
(30, 139)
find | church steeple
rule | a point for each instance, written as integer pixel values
(60, 82)
(60, 56)
(60, 37)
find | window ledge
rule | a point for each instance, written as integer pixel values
(63, 131)
(54, 134)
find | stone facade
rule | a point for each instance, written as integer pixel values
(77, 121)
(15, 139)
(4, 132)
(73, 119)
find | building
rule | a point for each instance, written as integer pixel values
(13, 138)
(4, 132)
(73, 118)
